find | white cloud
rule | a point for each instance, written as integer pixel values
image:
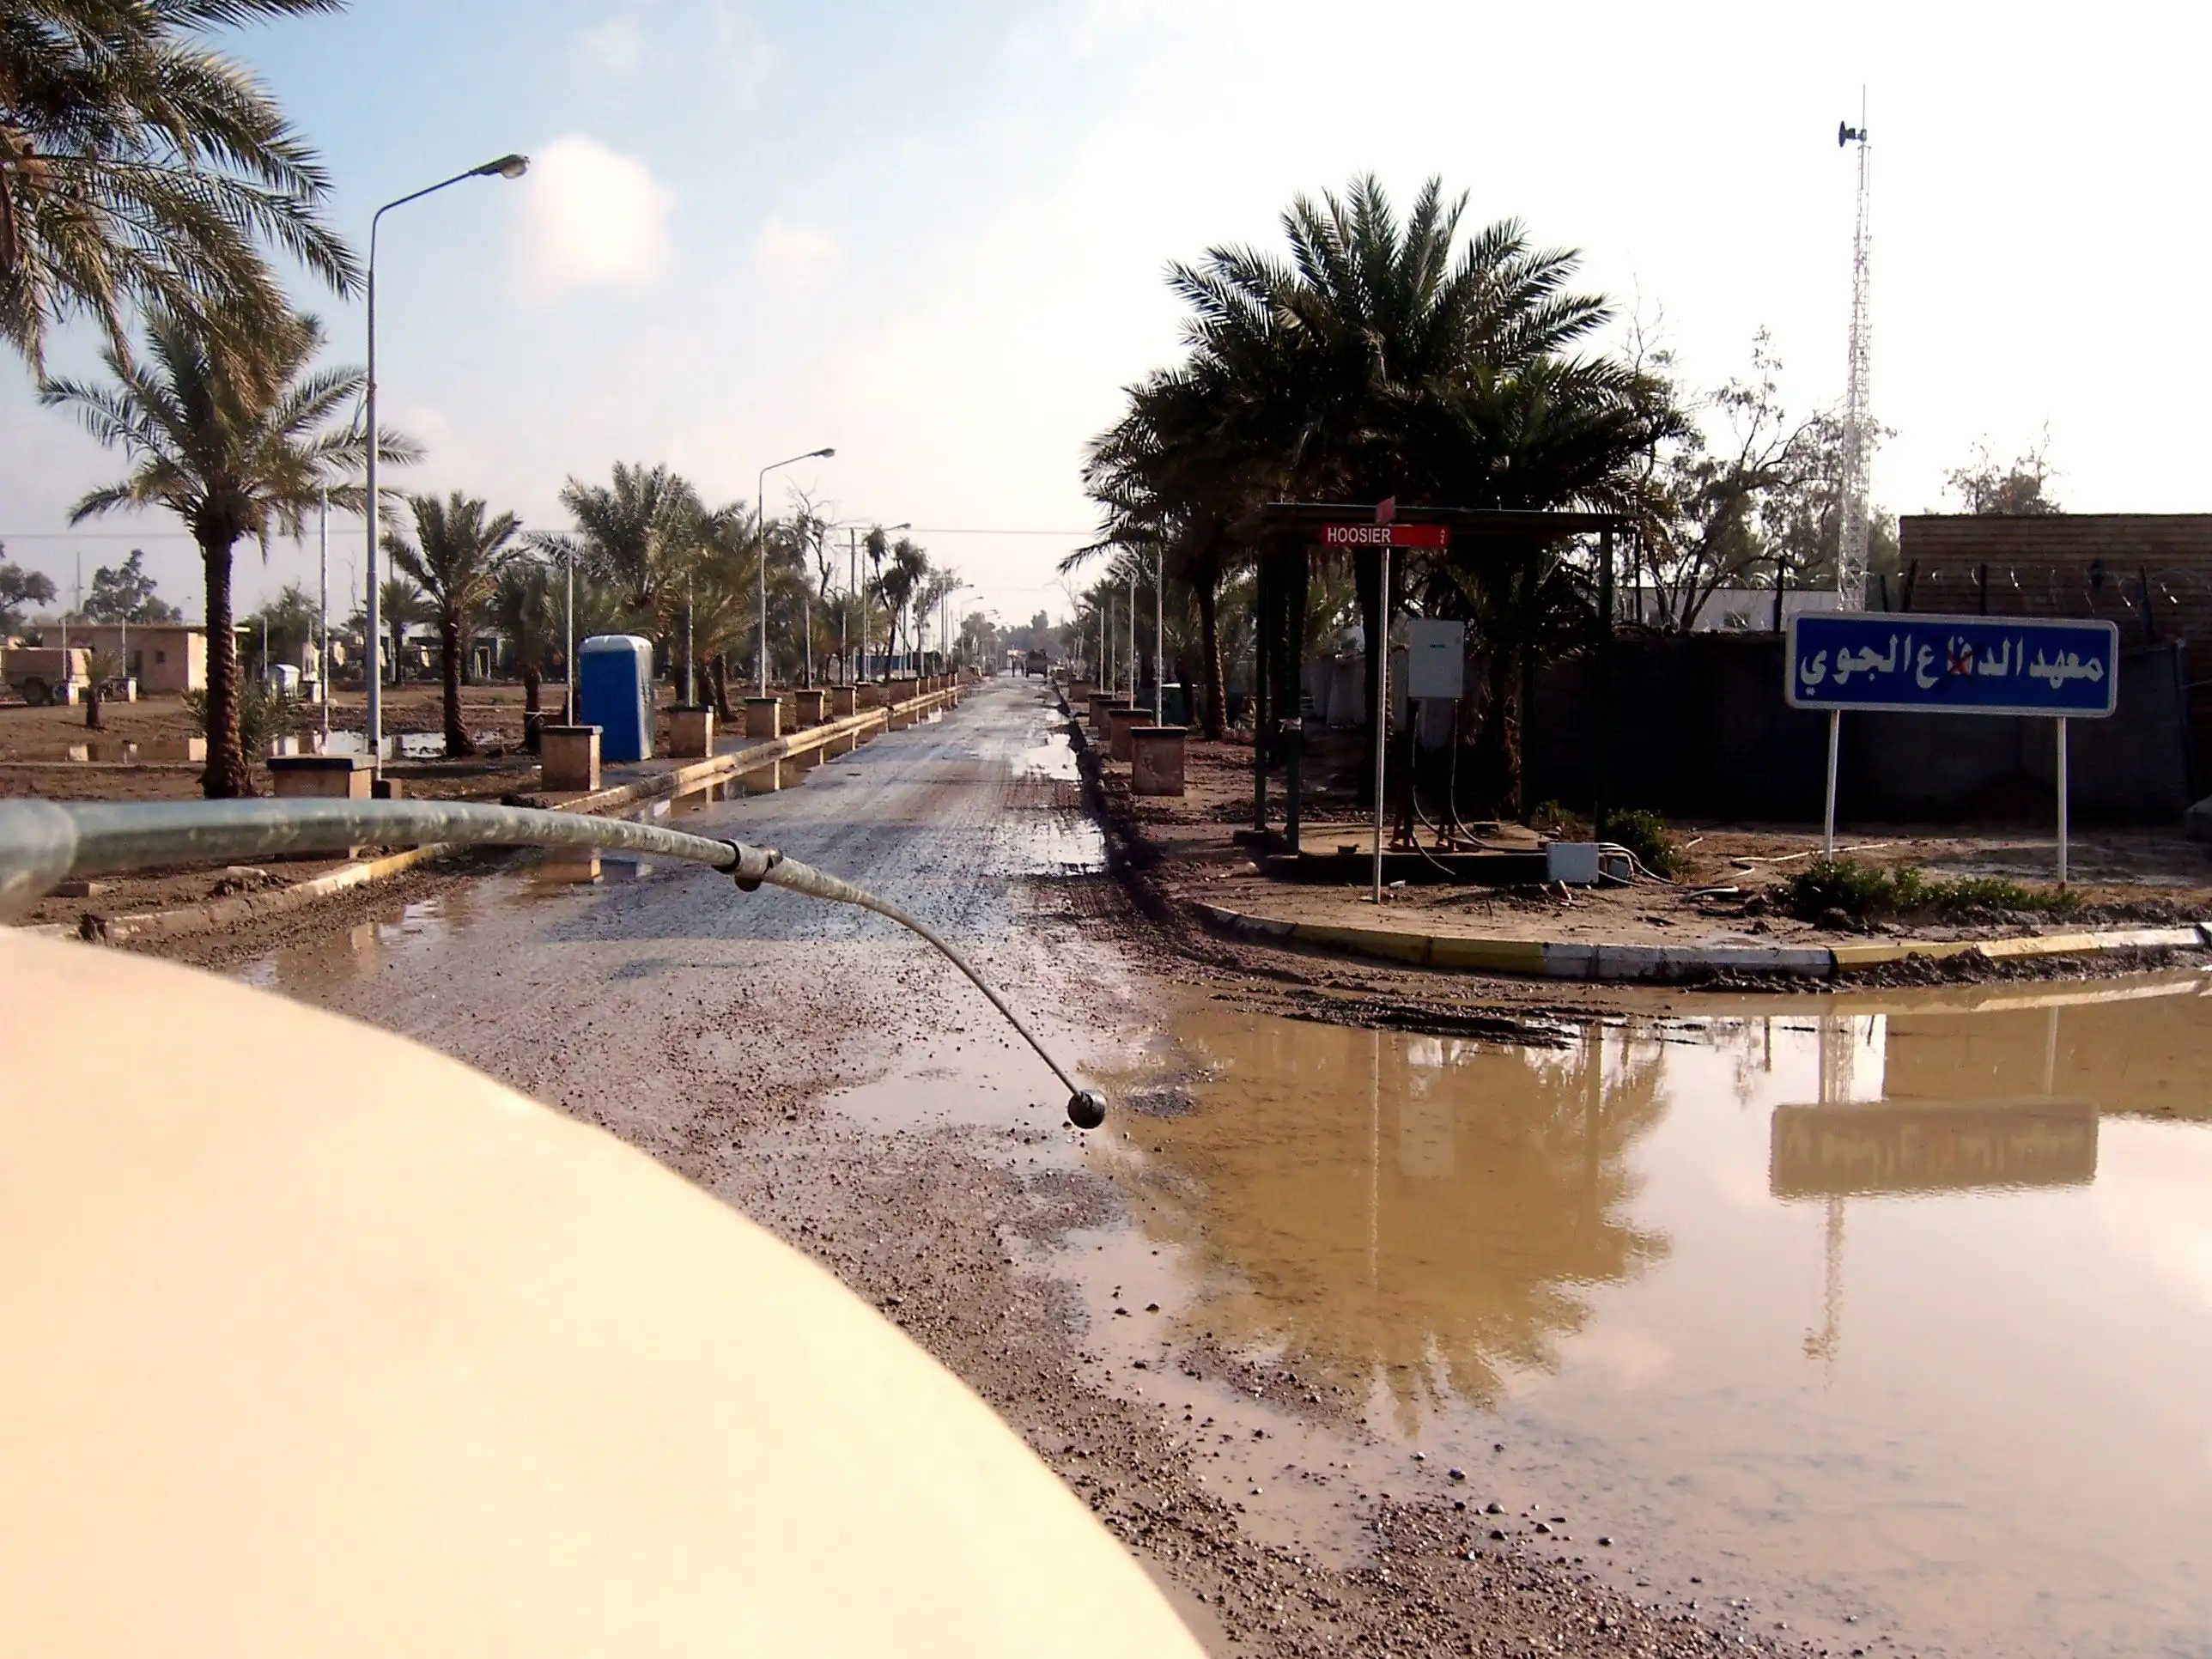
(590, 217)
(746, 54)
(616, 46)
(793, 258)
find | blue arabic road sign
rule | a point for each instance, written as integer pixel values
(1916, 663)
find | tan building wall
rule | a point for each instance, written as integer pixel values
(2150, 573)
(164, 656)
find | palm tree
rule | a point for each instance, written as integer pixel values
(232, 454)
(725, 611)
(105, 669)
(909, 567)
(877, 545)
(1386, 357)
(457, 556)
(401, 604)
(526, 607)
(140, 171)
(639, 533)
(1169, 488)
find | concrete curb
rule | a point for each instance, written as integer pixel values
(717, 769)
(221, 913)
(1580, 960)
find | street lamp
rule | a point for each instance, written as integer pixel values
(506, 166)
(760, 507)
(851, 528)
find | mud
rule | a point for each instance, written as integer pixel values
(824, 1072)
(1323, 1293)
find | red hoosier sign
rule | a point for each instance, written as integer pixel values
(1384, 535)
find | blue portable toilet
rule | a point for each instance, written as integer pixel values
(614, 692)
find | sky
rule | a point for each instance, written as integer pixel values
(934, 236)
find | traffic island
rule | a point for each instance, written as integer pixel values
(1687, 962)
(1730, 915)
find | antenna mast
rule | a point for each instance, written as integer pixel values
(1851, 541)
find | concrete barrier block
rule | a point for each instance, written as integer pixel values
(1156, 760)
(1121, 720)
(690, 733)
(569, 757)
(321, 777)
(843, 701)
(764, 718)
(579, 865)
(811, 705)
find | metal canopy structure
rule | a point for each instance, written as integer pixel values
(1288, 533)
(1277, 519)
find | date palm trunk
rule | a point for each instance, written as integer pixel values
(1209, 636)
(533, 717)
(226, 777)
(449, 636)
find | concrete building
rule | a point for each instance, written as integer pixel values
(168, 657)
(2150, 573)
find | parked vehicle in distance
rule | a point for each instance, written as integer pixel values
(46, 673)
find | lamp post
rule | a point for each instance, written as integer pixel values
(851, 528)
(322, 610)
(760, 509)
(1159, 634)
(506, 166)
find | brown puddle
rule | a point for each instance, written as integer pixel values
(1892, 1316)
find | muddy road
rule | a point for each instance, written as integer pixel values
(1503, 1338)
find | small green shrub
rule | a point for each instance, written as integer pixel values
(1548, 817)
(1645, 833)
(1871, 892)
(265, 715)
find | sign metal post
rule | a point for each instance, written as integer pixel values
(1380, 716)
(1835, 754)
(1914, 664)
(2061, 800)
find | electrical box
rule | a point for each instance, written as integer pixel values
(614, 692)
(1574, 862)
(1436, 657)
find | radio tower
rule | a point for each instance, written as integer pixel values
(1852, 544)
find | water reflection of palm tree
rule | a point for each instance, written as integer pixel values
(1422, 1212)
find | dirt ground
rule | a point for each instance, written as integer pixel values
(1722, 895)
(47, 753)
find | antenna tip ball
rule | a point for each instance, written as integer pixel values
(1086, 1109)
